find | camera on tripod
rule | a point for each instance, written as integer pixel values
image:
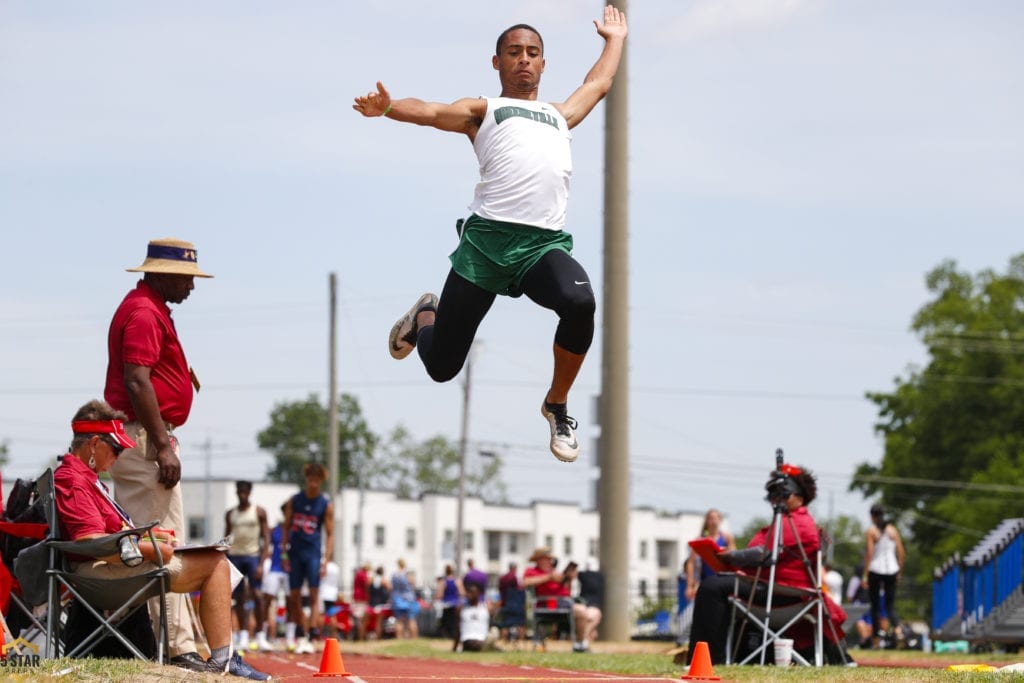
(781, 484)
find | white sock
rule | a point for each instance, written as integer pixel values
(289, 631)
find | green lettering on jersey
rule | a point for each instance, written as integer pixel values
(502, 114)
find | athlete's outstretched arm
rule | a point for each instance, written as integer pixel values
(599, 79)
(461, 116)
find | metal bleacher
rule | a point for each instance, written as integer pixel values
(980, 597)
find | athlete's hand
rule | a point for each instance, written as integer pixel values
(614, 24)
(373, 103)
(170, 466)
(323, 568)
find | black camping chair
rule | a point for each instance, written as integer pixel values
(111, 602)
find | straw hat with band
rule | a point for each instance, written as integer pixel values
(543, 551)
(170, 256)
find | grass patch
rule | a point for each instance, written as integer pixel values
(87, 670)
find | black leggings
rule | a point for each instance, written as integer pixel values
(556, 282)
(876, 584)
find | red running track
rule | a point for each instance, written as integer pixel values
(376, 669)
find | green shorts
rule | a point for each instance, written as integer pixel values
(496, 255)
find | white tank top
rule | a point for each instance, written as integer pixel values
(475, 622)
(884, 560)
(245, 526)
(525, 163)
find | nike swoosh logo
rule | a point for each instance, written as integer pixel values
(585, 282)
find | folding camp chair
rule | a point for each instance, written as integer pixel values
(511, 616)
(109, 601)
(17, 534)
(551, 611)
(789, 608)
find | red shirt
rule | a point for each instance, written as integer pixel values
(142, 333)
(81, 504)
(548, 587)
(361, 587)
(790, 570)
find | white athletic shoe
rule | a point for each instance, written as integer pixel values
(402, 339)
(262, 643)
(304, 647)
(564, 445)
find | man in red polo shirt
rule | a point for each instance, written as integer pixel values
(150, 381)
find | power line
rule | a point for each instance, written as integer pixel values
(940, 483)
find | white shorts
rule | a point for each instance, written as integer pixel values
(274, 584)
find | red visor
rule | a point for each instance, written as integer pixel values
(113, 427)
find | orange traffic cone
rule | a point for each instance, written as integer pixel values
(700, 665)
(330, 663)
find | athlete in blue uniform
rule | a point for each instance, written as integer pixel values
(305, 514)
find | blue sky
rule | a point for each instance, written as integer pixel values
(797, 166)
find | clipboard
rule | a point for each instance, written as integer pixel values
(222, 545)
(708, 550)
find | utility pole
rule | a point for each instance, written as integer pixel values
(207, 450)
(332, 412)
(613, 485)
(463, 446)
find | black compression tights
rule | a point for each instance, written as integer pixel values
(557, 282)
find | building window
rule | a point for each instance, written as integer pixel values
(410, 538)
(378, 535)
(666, 554)
(567, 546)
(643, 588)
(467, 540)
(643, 550)
(493, 545)
(513, 543)
(592, 547)
(357, 534)
(549, 541)
(196, 528)
(448, 545)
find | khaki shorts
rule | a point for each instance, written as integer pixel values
(101, 569)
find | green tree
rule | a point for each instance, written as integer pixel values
(953, 464)
(412, 469)
(3, 453)
(298, 433)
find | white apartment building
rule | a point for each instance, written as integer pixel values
(379, 528)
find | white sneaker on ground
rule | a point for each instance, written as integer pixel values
(564, 445)
(402, 339)
(262, 643)
(304, 647)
